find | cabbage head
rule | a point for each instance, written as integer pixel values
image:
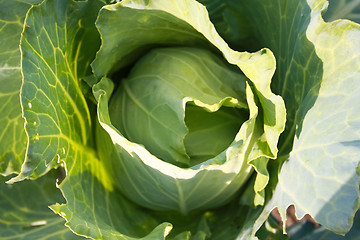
(189, 126)
(178, 119)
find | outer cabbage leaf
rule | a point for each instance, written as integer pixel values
(317, 70)
(25, 214)
(56, 51)
(12, 134)
(328, 146)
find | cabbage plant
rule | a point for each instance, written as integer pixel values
(178, 119)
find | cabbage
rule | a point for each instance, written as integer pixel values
(164, 119)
